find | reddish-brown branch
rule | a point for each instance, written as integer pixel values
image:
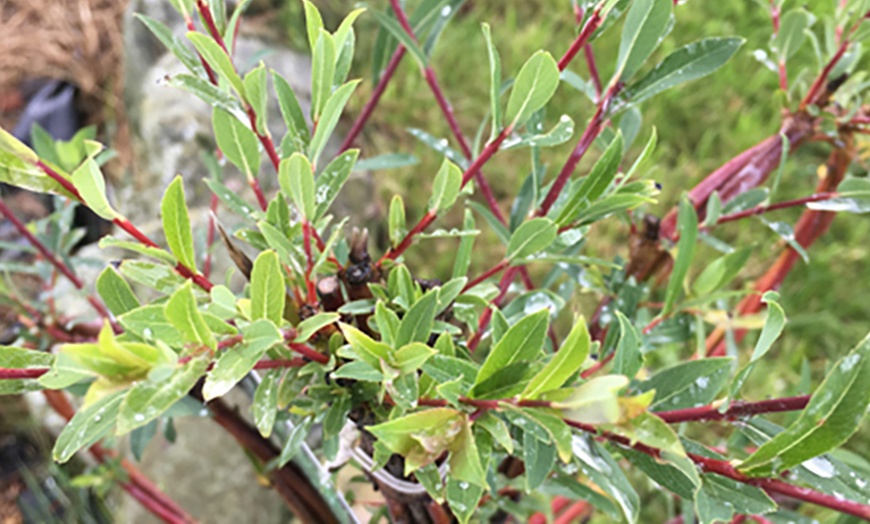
(486, 316)
(308, 353)
(582, 38)
(58, 264)
(485, 275)
(737, 410)
(725, 469)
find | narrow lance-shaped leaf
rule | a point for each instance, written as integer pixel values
(313, 23)
(18, 167)
(446, 187)
(773, 326)
(296, 178)
(345, 40)
(595, 184)
(116, 292)
(322, 73)
(183, 314)
(264, 408)
(534, 86)
(176, 223)
(219, 61)
(495, 82)
(628, 359)
(687, 226)
(329, 118)
(237, 142)
(267, 288)
(645, 24)
(691, 62)
(523, 341)
(89, 181)
(171, 42)
(89, 425)
(235, 362)
(567, 361)
(294, 118)
(417, 323)
(531, 237)
(332, 179)
(832, 415)
(392, 26)
(255, 89)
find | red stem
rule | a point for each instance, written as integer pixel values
(485, 275)
(735, 411)
(773, 207)
(486, 316)
(53, 260)
(583, 37)
(308, 353)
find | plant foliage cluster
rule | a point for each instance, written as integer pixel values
(465, 398)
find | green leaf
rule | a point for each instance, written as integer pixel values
(687, 228)
(446, 187)
(559, 134)
(365, 348)
(264, 408)
(89, 425)
(832, 415)
(463, 499)
(267, 288)
(534, 86)
(595, 184)
(20, 358)
(297, 180)
(720, 272)
(297, 128)
(322, 73)
(176, 224)
(688, 63)
(531, 237)
(18, 167)
(523, 341)
(720, 498)
(539, 458)
(386, 161)
(89, 181)
(494, 83)
(313, 23)
(773, 326)
(218, 60)
(420, 437)
(116, 292)
(601, 468)
(392, 25)
(182, 313)
(311, 325)
(645, 24)
(791, 34)
(464, 459)
(329, 118)
(689, 384)
(255, 89)
(565, 363)
(417, 323)
(677, 474)
(358, 370)
(628, 358)
(463, 254)
(397, 228)
(206, 91)
(150, 323)
(147, 400)
(172, 43)
(234, 363)
(411, 357)
(332, 179)
(148, 251)
(237, 142)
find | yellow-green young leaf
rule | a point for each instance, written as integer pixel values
(20, 358)
(464, 459)
(147, 400)
(446, 187)
(116, 292)
(308, 327)
(409, 358)
(832, 415)
(182, 313)
(564, 363)
(345, 41)
(237, 141)
(218, 60)
(255, 89)
(267, 288)
(88, 179)
(596, 401)
(774, 323)
(18, 167)
(687, 227)
(397, 220)
(531, 237)
(297, 127)
(533, 88)
(322, 73)
(365, 348)
(234, 363)
(296, 178)
(176, 224)
(313, 23)
(523, 341)
(89, 425)
(645, 24)
(420, 437)
(329, 118)
(136, 358)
